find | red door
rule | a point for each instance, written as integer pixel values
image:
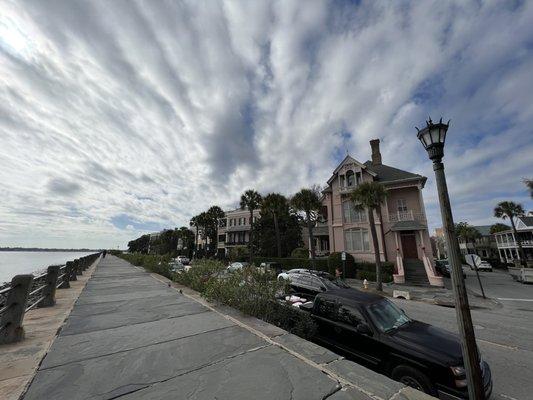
(409, 245)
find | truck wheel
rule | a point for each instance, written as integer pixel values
(412, 377)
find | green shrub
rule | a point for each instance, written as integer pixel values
(250, 291)
(151, 262)
(199, 276)
(335, 261)
(239, 253)
(300, 252)
(367, 270)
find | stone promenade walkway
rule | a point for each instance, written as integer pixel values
(132, 337)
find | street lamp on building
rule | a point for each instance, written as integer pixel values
(433, 137)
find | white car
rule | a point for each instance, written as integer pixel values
(285, 275)
(176, 266)
(484, 266)
(182, 259)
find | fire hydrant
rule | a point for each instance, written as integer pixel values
(365, 284)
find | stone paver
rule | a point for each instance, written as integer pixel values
(267, 373)
(362, 377)
(313, 352)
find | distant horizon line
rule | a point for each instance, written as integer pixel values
(50, 249)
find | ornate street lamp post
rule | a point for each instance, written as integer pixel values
(433, 137)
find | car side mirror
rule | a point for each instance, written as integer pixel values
(323, 288)
(364, 329)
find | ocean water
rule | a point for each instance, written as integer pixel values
(27, 262)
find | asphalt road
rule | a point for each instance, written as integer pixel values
(504, 334)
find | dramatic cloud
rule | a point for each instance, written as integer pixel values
(121, 117)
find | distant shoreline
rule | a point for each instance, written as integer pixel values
(36, 249)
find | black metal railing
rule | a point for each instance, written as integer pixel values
(27, 292)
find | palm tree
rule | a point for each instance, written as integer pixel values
(468, 234)
(370, 196)
(308, 202)
(252, 201)
(498, 228)
(511, 210)
(214, 214)
(529, 184)
(194, 223)
(275, 204)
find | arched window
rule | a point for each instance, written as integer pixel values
(350, 178)
(352, 215)
(356, 239)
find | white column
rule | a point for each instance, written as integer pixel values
(422, 206)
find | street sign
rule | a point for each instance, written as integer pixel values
(473, 260)
(343, 256)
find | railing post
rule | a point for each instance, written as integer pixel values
(49, 292)
(71, 271)
(11, 329)
(77, 266)
(65, 280)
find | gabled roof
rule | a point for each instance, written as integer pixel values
(527, 221)
(484, 230)
(386, 173)
(349, 158)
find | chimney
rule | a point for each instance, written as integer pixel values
(376, 155)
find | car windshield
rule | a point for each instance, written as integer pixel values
(387, 316)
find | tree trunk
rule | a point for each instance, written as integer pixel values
(519, 242)
(196, 243)
(311, 237)
(250, 245)
(276, 229)
(379, 285)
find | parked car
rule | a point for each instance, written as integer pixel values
(484, 266)
(443, 267)
(182, 259)
(311, 282)
(176, 266)
(237, 266)
(286, 274)
(374, 332)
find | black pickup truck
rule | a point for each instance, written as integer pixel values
(372, 331)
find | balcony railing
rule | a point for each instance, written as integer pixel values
(511, 243)
(347, 189)
(408, 215)
(236, 243)
(236, 228)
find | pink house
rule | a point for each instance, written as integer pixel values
(402, 230)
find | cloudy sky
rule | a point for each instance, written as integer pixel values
(123, 117)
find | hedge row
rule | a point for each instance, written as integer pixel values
(151, 262)
(248, 290)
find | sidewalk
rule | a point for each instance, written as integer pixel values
(130, 336)
(431, 294)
